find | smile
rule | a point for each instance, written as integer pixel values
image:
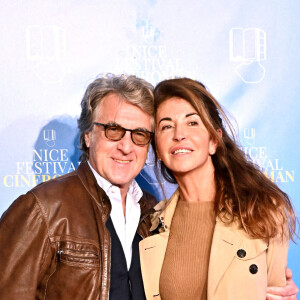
(121, 161)
(179, 151)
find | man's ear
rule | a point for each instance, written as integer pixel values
(87, 139)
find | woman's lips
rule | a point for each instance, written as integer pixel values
(181, 150)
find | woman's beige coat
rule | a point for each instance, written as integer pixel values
(229, 275)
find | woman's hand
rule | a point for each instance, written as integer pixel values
(288, 292)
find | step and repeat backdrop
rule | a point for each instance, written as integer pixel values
(245, 52)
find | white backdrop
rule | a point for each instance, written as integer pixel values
(246, 52)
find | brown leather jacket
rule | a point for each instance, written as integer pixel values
(54, 243)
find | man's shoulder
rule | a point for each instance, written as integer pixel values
(75, 187)
(56, 184)
(64, 182)
(147, 202)
(44, 197)
(148, 197)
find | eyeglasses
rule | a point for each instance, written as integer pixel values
(115, 132)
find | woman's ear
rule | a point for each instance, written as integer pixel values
(212, 149)
(214, 143)
(157, 155)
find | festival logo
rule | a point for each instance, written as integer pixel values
(271, 167)
(148, 58)
(52, 156)
(50, 137)
(248, 48)
(46, 50)
(249, 136)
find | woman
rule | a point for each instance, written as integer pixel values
(224, 233)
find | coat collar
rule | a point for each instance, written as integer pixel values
(161, 219)
(88, 179)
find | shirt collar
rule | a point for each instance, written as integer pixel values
(134, 189)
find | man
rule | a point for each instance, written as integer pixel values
(76, 237)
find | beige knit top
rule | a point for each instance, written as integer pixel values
(185, 268)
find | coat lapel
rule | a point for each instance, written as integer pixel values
(153, 248)
(152, 253)
(224, 247)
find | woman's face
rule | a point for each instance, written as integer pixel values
(183, 142)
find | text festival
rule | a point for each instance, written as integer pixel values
(48, 164)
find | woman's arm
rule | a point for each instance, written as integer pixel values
(288, 292)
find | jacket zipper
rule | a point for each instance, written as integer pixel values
(66, 251)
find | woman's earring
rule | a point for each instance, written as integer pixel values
(212, 151)
(158, 157)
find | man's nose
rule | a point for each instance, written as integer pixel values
(126, 144)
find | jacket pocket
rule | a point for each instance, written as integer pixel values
(77, 273)
(78, 253)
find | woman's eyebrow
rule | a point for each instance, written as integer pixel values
(170, 119)
(191, 114)
(165, 119)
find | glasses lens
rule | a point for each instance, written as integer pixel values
(141, 137)
(114, 132)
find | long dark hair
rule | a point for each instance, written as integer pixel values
(244, 193)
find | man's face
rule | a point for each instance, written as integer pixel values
(119, 162)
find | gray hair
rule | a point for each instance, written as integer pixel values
(131, 88)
